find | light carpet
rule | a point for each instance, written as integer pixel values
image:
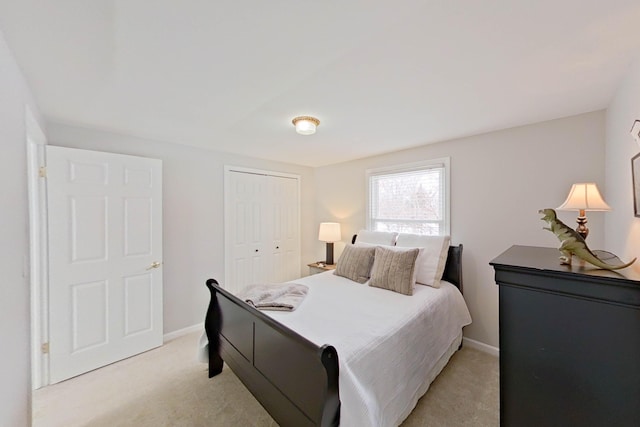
(169, 387)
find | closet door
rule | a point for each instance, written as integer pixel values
(262, 228)
(282, 201)
(245, 230)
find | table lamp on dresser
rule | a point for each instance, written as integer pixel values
(584, 197)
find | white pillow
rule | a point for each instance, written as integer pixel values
(431, 259)
(377, 237)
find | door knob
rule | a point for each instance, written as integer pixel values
(154, 264)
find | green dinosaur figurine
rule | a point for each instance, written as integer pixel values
(573, 243)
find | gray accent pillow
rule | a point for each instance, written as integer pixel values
(394, 270)
(355, 263)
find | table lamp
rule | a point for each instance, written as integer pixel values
(329, 233)
(584, 197)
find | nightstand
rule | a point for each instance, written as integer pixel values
(316, 268)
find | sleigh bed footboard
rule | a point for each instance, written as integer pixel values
(295, 380)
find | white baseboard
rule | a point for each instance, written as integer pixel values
(184, 331)
(494, 351)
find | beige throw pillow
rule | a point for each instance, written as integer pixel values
(394, 270)
(355, 263)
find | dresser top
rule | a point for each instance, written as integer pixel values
(547, 259)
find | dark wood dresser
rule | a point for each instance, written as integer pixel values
(569, 341)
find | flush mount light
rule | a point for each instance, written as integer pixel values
(305, 125)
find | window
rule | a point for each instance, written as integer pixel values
(410, 198)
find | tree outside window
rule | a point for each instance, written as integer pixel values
(409, 199)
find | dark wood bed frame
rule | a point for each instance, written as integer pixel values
(295, 380)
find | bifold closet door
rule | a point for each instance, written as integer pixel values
(284, 240)
(262, 230)
(244, 229)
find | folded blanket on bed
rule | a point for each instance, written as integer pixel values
(280, 297)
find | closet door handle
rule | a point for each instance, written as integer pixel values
(277, 247)
(256, 250)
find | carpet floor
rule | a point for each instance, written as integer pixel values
(168, 386)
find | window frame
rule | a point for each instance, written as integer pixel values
(444, 162)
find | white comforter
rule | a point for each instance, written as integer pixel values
(387, 343)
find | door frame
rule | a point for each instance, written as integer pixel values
(227, 212)
(36, 142)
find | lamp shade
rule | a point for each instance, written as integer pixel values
(329, 232)
(584, 196)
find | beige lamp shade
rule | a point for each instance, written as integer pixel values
(329, 232)
(584, 197)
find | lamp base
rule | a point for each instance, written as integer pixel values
(329, 253)
(582, 226)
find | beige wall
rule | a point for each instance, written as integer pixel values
(15, 369)
(622, 228)
(193, 213)
(499, 181)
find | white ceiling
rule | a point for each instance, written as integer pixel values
(380, 75)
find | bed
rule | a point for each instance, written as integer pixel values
(323, 364)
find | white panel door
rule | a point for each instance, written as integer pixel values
(105, 254)
(282, 202)
(245, 197)
(262, 228)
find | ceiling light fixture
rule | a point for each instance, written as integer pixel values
(305, 125)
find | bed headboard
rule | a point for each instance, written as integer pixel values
(453, 267)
